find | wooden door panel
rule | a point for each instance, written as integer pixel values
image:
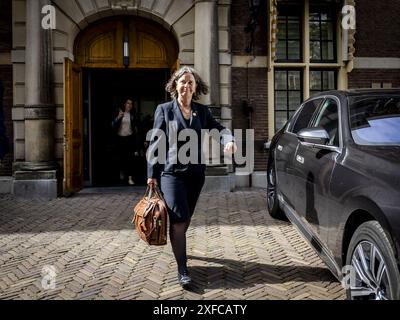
(101, 44)
(73, 127)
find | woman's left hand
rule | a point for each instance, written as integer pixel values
(230, 147)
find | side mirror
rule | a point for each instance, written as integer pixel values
(313, 135)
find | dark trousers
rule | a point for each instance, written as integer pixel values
(126, 154)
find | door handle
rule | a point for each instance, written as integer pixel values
(300, 159)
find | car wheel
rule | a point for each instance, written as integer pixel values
(272, 196)
(371, 256)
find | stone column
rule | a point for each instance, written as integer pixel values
(206, 62)
(37, 176)
(206, 57)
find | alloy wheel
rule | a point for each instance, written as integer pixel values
(371, 275)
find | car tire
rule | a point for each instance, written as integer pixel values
(272, 196)
(371, 240)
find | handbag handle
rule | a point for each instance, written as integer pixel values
(151, 190)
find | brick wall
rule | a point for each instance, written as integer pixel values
(240, 16)
(257, 83)
(378, 28)
(6, 78)
(257, 98)
(363, 78)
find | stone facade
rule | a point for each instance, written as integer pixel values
(240, 75)
(72, 16)
(249, 77)
(177, 16)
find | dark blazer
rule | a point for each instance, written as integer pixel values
(201, 119)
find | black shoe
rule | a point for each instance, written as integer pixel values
(184, 279)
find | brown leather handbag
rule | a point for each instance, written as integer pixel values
(150, 217)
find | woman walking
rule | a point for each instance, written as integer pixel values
(181, 183)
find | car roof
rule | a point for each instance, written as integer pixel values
(360, 92)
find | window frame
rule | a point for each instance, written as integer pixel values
(312, 69)
(296, 115)
(306, 65)
(335, 149)
(339, 148)
(288, 7)
(287, 95)
(332, 8)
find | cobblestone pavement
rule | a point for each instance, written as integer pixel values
(236, 251)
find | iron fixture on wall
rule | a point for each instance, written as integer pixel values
(254, 7)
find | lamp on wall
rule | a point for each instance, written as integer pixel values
(125, 60)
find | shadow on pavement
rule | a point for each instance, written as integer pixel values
(239, 274)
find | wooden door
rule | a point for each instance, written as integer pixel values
(73, 128)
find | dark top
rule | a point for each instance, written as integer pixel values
(169, 119)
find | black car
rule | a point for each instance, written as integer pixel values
(334, 172)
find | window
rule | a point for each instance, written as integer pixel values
(322, 80)
(288, 95)
(328, 118)
(289, 33)
(305, 115)
(307, 50)
(322, 32)
(375, 120)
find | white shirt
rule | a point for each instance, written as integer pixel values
(125, 127)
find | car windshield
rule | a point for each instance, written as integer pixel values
(375, 120)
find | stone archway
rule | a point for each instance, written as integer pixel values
(201, 29)
(175, 16)
(104, 45)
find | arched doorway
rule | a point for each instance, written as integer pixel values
(115, 59)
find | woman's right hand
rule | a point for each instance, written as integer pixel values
(121, 114)
(152, 182)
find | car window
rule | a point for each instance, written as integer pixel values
(305, 115)
(327, 118)
(375, 120)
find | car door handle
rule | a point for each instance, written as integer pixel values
(280, 148)
(300, 159)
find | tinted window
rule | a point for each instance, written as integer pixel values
(305, 115)
(329, 120)
(375, 120)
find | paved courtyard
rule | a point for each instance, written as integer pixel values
(84, 247)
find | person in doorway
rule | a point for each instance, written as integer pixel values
(125, 124)
(181, 183)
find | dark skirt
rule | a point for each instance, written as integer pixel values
(181, 192)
